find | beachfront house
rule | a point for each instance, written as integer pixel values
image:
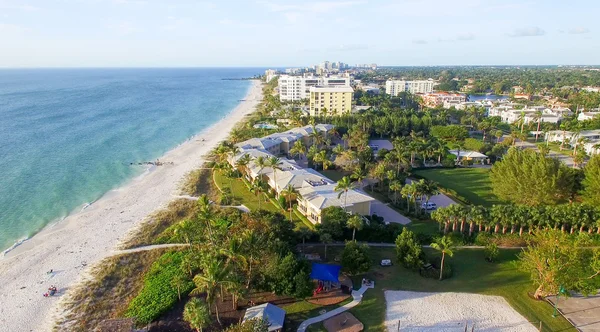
(316, 190)
(316, 196)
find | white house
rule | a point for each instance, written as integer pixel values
(295, 88)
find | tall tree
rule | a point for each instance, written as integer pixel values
(591, 181)
(325, 239)
(555, 260)
(527, 177)
(215, 275)
(275, 164)
(446, 247)
(343, 186)
(290, 193)
(355, 223)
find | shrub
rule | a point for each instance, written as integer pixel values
(158, 294)
(501, 240)
(491, 252)
(408, 250)
(355, 258)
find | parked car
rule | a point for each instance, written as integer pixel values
(386, 262)
(429, 206)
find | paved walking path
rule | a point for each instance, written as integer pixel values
(357, 297)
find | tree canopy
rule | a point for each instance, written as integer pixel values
(529, 178)
(591, 181)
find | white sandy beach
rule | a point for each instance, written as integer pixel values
(72, 246)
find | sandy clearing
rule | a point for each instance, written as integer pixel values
(448, 312)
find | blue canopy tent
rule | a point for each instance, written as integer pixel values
(327, 275)
(325, 272)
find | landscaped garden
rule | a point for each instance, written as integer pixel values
(471, 183)
(471, 274)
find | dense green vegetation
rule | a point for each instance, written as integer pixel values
(159, 294)
(471, 185)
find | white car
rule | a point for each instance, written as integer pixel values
(429, 206)
(386, 262)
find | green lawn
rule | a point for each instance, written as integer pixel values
(472, 274)
(243, 195)
(470, 183)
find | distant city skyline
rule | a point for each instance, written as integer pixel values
(270, 33)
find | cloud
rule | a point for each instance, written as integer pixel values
(25, 7)
(293, 17)
(350, 47)
(578, 31)
(528, 32)
(419, 41)
(313, 7)
(124, 28)
(465, 36)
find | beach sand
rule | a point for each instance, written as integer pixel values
(71, 247)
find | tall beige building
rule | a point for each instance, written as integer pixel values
(336, 99)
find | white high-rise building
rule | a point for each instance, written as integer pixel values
(270, 74)
(394, 87)
(295, 88)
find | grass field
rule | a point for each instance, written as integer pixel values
(472, 274)
(470, 183)
(243, 195)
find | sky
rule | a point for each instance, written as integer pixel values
(271, 33)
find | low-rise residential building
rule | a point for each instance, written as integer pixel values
(316, 196)
(590, 139)
(317, 192)
(441, 98)
(583, 116)
(395, 87)
(510, 115)
(487, 104)
(337, 100)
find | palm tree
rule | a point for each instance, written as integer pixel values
(343, 186)
(290, 193)
(178, 281)
(445, 246)
(298, 149)
(326, 239)
(304, 233)
(396, 187)
(538, 117)
(274, 163)
(215, 275)
(251, 241)
(258, 188)
(408, 192)
(359, 175)
(243, 163)
(206, 213)
(429, 188)
(196, 313)
(355, 223)
(261, 163)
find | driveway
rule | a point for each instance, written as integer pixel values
(440, 200)
(582, 312)
(388, 214)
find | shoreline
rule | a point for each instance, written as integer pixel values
(71, 246)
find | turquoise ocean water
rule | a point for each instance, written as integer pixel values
(67, 136)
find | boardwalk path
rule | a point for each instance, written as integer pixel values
(357, 297)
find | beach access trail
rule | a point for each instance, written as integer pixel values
(70, 248)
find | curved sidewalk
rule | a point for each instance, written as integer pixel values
(357, 297)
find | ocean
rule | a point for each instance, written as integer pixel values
(67, 136)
